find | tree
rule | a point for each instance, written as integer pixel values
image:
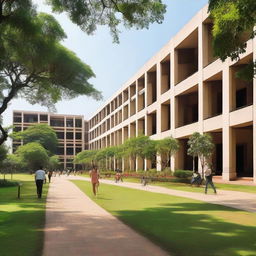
(140, 146)
(42, 70)
(234, 21)
(167, 147)
(3, 156)
(86, 157)
(11, 164)
(89, 14)
(106, 154)
(41, 133)
(33, 155)
(201, 145)
(53, 163)
(3, 153)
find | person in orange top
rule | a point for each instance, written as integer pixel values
(94, 174)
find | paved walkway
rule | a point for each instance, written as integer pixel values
(235, 199)
(76, 226)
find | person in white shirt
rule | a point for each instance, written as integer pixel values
(208, 178)
(39, 179)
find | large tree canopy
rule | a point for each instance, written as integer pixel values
(40, 133)
(88, 14)
(234, 22)
(131, 13)
(38, 68)
(32, 155)
(33, 63)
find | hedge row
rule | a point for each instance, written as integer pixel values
(8, 183)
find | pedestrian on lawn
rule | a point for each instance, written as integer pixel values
(39, 179)
(208, 178)
(94, 174)
(50, 175)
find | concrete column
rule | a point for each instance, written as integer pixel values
(147, 163)
(200, 78)
(146, 89)
(229, 168)
(158, 163)
(254, 114)
(83, 134)
(200, 85)
(172, 103)
(158, 110)
(129, 101)
(137, 97)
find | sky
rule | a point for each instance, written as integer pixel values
(112, 63)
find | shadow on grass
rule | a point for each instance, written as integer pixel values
(21, 233)
(183, 230)
(21, 221)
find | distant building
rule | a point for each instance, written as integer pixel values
(71, 130)
(181, 90)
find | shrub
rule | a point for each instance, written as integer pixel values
(182, 174)
(7, 183)
(107, 173)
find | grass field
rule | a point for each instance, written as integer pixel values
(187, 187)
(22, 220)
(182, 226)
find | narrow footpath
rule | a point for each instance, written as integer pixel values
(239, 200)
(76, 226)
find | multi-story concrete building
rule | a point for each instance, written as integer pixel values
(71, 130)
(183, 89)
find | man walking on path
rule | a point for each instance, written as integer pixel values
(39, 179)
(208, 177)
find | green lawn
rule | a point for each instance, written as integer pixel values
(182, 226)
(22, 220)
(187, 187)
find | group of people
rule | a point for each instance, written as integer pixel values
(197, 180)
(40, 178)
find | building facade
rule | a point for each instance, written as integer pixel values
(71, 130)
(183, 89)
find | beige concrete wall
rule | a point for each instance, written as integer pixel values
(206, 77)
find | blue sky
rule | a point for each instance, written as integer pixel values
(113, 64)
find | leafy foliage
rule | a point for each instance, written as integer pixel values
(41, 133)
(182, 174)
(53, 163)
(167, 147)
(3, 153)
(32, 155)
(12, 163)
(42, 70)
(89, 14)
(234, 21)
(140, 146)
(85, 157)
(201, 145)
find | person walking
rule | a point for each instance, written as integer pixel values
(208, 178)
(196, 179)
(50, 176)
(94, 174)
(39, 179)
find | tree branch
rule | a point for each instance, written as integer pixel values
(4, 135)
